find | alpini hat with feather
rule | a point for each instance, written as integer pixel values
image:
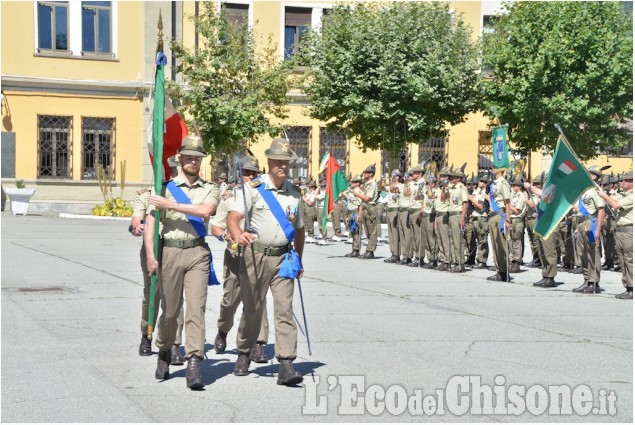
(280, 149)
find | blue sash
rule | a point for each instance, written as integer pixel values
(291, 265)
(594, 222)
(353, 223)
(197, 223)
(494, 206)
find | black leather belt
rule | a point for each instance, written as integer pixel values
(183, 243)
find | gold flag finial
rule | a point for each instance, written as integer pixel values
(160, 34)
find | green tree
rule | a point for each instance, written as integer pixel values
(562, 62)
(404, 69)
(231, 87)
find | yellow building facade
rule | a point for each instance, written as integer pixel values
(76, 78)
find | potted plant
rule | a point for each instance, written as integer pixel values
(20, 197)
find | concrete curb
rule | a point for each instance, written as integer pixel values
(93, 217)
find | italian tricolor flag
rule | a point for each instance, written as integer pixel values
(565, 168)
(335, 184)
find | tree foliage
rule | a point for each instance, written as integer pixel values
(404, 68)
(562, 62)
(231, 88)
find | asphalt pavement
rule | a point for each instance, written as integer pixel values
(71, 305)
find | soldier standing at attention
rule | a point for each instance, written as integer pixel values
(518, 208)
(500, 195)
(590, 206)
(546, 247)
(369, 212)
(405, 232)
(274, 235)
(354, 214)
(530, 221)
(392, 216)
(416, 215)
(231, 263)
(310, 210)
(480, 200)
(428, 238)
(622, 205)
(457, 216)
(441, 222)
(185, 260)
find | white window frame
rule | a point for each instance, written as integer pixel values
(316, 17)
(75, 31)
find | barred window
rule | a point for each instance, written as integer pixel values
(336, 142)
(395, 158)
(299, 138)
(98, 145)
(54, 146)
(485, 151)
(434, 149)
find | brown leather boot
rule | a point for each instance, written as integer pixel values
(163, 365)
(193, 377)
(175, 353)
(145, 348)
(258, 353)
(287, 375)
(220, 342)
(352, 254)
(242, 365)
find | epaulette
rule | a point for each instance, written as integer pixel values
(140, 191)
(255, 183)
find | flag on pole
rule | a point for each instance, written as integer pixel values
(500, 152)
(566, 182)
(175, 130)
(335, 184)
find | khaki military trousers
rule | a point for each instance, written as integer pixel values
(624, 241)
(145, 305)
(481, 230)
(499, 243)
(547, 254)
(517, 235)
(371, 224)
(565, 242)
(405, 235)
(442, 232)
(530, 222)
(392, 217)
(231, 297)
(415, 229)
(320, 211)
(356, 234)
(457, 245)
(428, 239)
(258, 273)
(338, 216)
(589, 254)
(609, 243)
(184, 272)
(577, 239)
(310, 216)
(470, 241)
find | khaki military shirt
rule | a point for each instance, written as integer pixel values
(220, 218)
(310, 196)
(531, 212)
(481, 196)
(428, 202)
(261, 218)
(458, 195)
(501, 191)
(403, 201)
(319, 199)
(370, 190)
(518, 201)
(352, 201)
(393, 198)
(415, 194)
(440, 206)
(592, 201)
(175, 225)
(624, 215)
(140, 203)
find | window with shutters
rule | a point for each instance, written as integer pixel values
(98, 146)
(54, 146)
(237, 13)
(297, 21)
(299, 138)
(336, 143)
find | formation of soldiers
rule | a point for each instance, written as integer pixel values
(445, 223)
(452, 222)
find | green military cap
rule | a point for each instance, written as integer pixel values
(370, 169)
(627, 175)
(594, 169)
(537, 179)
(357, 178)
(249, 162)
(192, 146)
(518, 181)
